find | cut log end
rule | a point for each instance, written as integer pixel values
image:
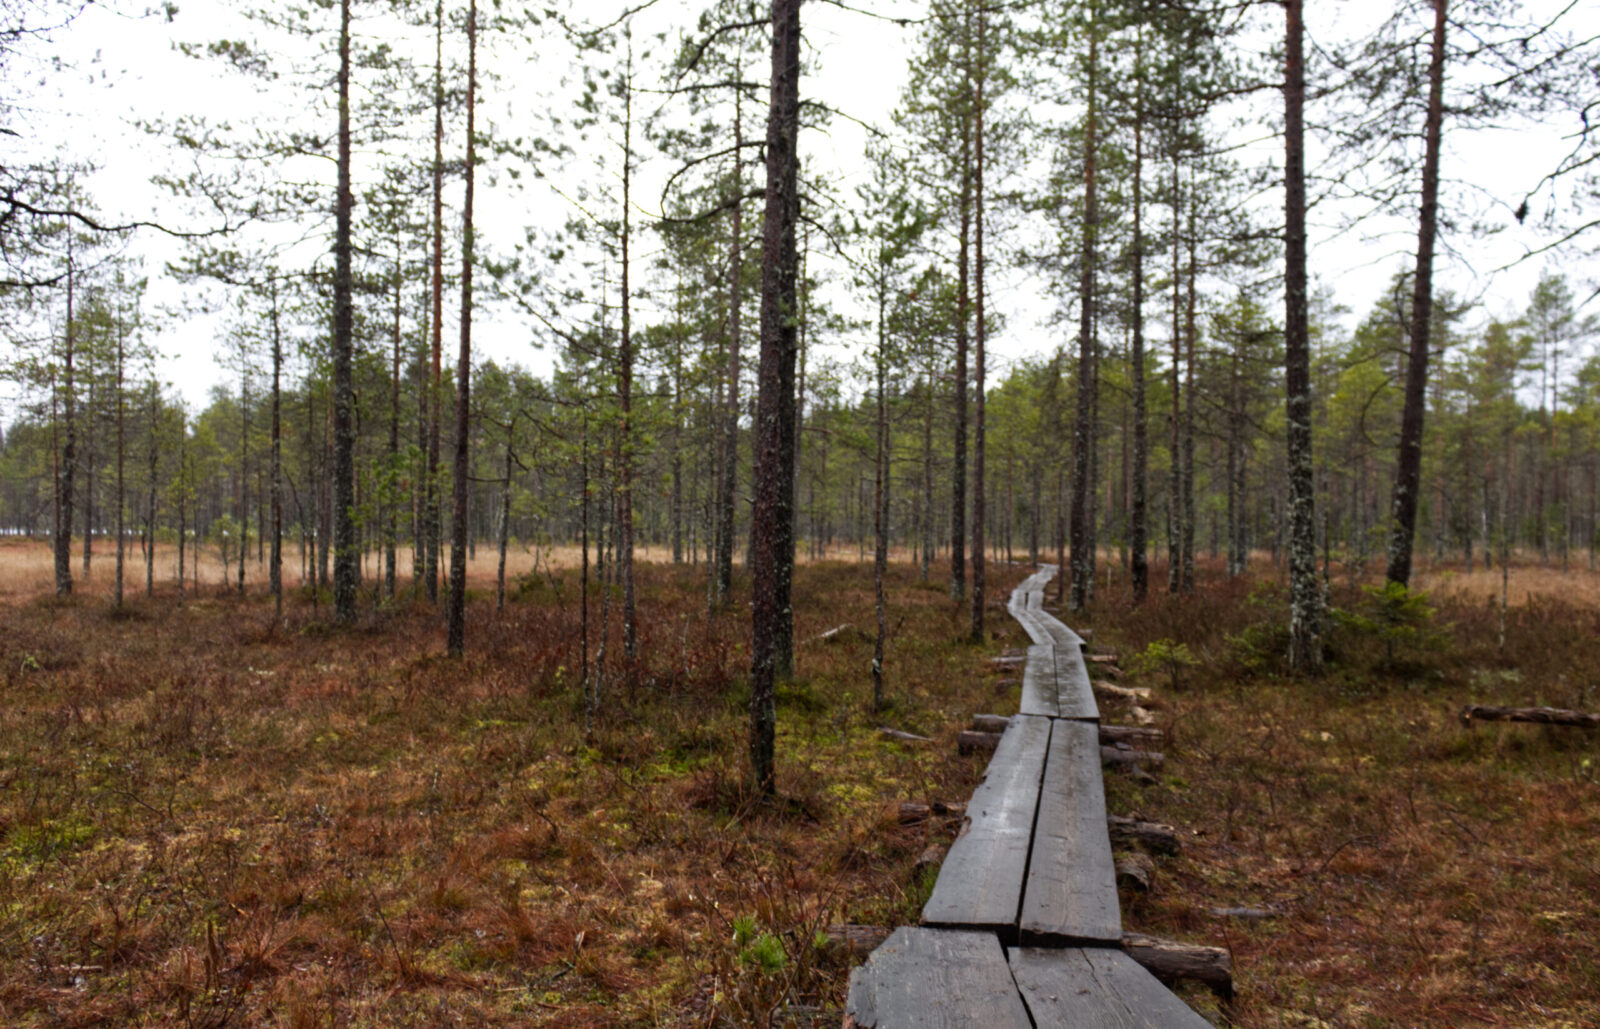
(1152, 836)
(974, 742)
(1171, 961)
(1134, 872)
(858, 940)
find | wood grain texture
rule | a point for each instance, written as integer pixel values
(1071, 889)
(1095, 988)
(980, 883)
(1040, 692)
(1074, 693)
(935, 978)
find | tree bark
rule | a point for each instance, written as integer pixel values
(958, 468)
(772, 517)
(345, 571)
(723, 578)
(433, 391)
(1305, 594)
(979, 341)
(1082, 569)
(66, 471)
(1139, 569)
(456, 621)
(1408, 474)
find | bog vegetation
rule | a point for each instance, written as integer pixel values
(392, 684)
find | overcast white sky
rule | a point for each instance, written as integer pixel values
(120, 68)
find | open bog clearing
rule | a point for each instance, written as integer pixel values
(210, 819)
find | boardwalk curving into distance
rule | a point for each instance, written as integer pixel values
(1023, 928)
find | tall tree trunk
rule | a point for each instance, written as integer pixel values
(1408, 474)
(880, 497)
(1083, 425)
(122, 503)
(66, 471)
(150, 503)
(1190, 332)
(456, 615)
(344, 443)
(1138, 526)
(1305, 596)
(391, 527)
(505, 521)
(723, 577)
(979, 340)
(275, 567)
(434, 392)
(772, 517)
(630, 640)
(958, 469)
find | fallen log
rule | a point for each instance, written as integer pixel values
(1110, 735)
(902, 735)
(973, 742)
(1118, 759)
(1152, 836)
(1140, 715)
(1139, 695)
(859, 940)
(1005, 661)
(830, 634)
(1171, 961)
(1100, 659)
(932, 856)
(1534, 715)
(1134, 872)
(1249, 914)
(911, 813)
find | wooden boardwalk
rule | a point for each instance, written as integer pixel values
(1023, 927)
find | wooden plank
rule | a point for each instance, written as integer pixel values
(930, 977)
(1074, 693)
(1071, 891)
(1040, 692)
(1095, 988)
(980, 883)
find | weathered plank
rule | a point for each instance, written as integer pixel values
(1074, 694)
(1071, 891)
(1095, 988)
(928, 977)
(1040, 692)
(980, 883)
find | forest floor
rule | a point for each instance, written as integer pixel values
(207, 819)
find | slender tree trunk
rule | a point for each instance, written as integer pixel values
(1305, 596)
(979, 340)
(1408, 475)
(772, 517)
(434, 393)
(1190, 332)
(880, 504)
(345, 572)
(122, 503)
(723, 577)
(630, 640)
(66, 471)
(958, 469)
(391, 529)
(456, 615)
(1138, 528)
(275, 567)
(1082, 569)
(505, 522)
(150, 503)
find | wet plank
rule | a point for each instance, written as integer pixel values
(933, 977)
(1074, 695)
(980, 882)
(1071, 889)
(1040, 692)
(1095, 988)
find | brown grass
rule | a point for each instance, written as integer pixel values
(209, 819)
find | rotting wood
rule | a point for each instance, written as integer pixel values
(1532, 715)
(830, 634)
(932, 857)
(973, 742)
(1100, 659)
(911, 813)
(1126, 760)
(990, 723)
(1139, 695)
(1171, 961)
(859, 940)
(1152, 836)
(1134, 872)
(902, 735)
(1133, 735)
